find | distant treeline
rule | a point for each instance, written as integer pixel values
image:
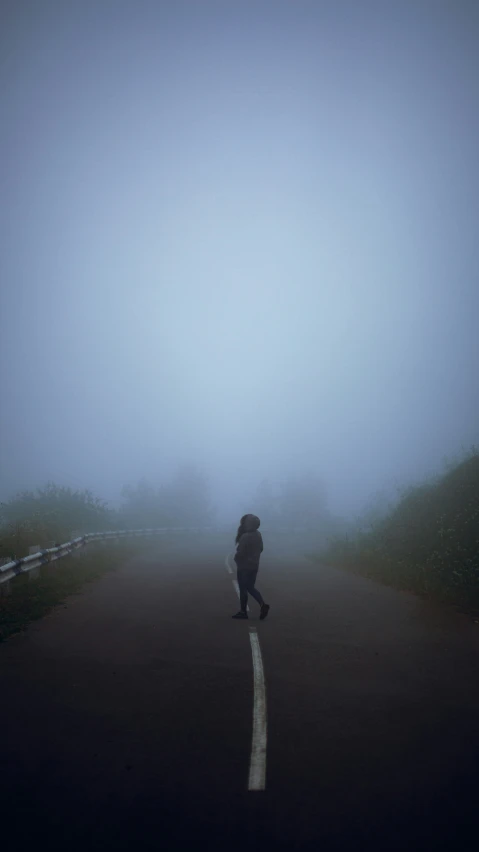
(50, 514)
(427, 543)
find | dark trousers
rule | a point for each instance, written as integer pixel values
(246, 581)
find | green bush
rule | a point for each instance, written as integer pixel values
(429, 543)
(47, 516)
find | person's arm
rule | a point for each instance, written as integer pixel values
(241, 550)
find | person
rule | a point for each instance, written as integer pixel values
(249, 549)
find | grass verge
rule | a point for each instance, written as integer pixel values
(31, 599)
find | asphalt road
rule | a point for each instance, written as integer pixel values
(126, 717)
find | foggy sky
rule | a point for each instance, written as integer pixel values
(242, 234)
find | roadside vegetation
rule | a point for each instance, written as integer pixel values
(30, 599)
(427, 543)
(51, 515)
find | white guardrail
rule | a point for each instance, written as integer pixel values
(43, 557)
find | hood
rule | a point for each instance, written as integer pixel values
(251, 523)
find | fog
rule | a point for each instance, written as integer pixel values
(239, 235)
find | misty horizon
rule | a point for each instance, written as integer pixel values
(242, 238)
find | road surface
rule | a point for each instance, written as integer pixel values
(126, 717)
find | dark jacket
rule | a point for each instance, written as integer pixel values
(250, 545)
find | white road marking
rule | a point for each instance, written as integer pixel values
(257, 766)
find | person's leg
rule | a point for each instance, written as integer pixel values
(243, 587)
(251, 580)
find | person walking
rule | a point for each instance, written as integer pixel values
(249, 549)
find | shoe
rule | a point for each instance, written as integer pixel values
(240, 614)
(264, 612)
